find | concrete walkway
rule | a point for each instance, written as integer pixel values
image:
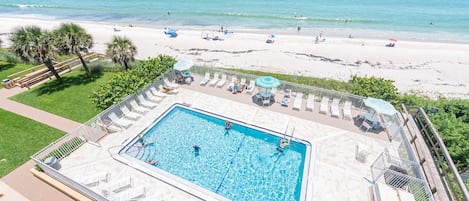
(20, 184)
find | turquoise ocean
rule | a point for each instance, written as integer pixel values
(420, 20)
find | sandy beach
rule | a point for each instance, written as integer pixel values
(428, 68)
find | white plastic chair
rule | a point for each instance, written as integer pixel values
(169, 84)
(124, 123)
(222, 81)
(95, 179)
(324, 105)
(298, 101)
(250, 87)
(347, 110)
(145, 103)
(156, 92)
(206, 79)
(151, 97)
(133, 193)
(137, 108)
(310, 102)
(216, 78)
(128, 114)
(335, 111)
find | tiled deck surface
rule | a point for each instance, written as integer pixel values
(334, 172)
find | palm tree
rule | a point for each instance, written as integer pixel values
(72, 38)
(121, 50)
(32, 43)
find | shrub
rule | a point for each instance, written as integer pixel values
(374, 87)
(127, 82)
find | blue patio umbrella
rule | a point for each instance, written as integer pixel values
(380, 106)
(267, 82)
(183, 65)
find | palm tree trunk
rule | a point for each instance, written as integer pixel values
(126, 65)
(88, 72)
(50, 66)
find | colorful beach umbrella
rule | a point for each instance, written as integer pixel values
(267, 82)
(183, 65)
(380, 106)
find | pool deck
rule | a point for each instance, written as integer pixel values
(334, 173)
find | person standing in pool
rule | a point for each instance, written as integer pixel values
(196, 150)
(227, 125)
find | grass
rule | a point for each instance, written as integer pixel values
(21, 138)
(9, 68)
(70, 99)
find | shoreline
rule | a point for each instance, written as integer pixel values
(427, 68)
(334, 32)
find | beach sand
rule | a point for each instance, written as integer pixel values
(427, 68)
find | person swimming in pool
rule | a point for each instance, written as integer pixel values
(196, 150)
(281, 147)
(152, 162)
(227, 125)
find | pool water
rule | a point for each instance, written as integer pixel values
(239, 164)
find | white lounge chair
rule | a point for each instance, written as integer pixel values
(121, 122)
(145, 103)
(157, 92)
(151, 97)
(133, 193)
(169, 84)
(128, 114)
(324, 105)
(243, 81)
(298, 101)
(233, 80)
(206, 79)
(250, 87)
(137, 108)
(335, 111)
(95, 179)
(153, 197)
(347, 109)
(216, 78)
(168, 91)
(116, 186)
(310, 102)
(222, 81)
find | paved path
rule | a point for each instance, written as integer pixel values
(21, 179)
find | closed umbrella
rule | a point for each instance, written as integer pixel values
(183, 65)
(267, 82)
(380, 106)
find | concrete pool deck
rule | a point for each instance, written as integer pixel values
(334, 173)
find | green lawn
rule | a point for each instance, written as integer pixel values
(8, 69)
(70, 100)
(20, 138)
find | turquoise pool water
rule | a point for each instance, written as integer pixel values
(239, 164)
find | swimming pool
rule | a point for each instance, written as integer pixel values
(239, 164)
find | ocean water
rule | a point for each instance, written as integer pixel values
(428, 20)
